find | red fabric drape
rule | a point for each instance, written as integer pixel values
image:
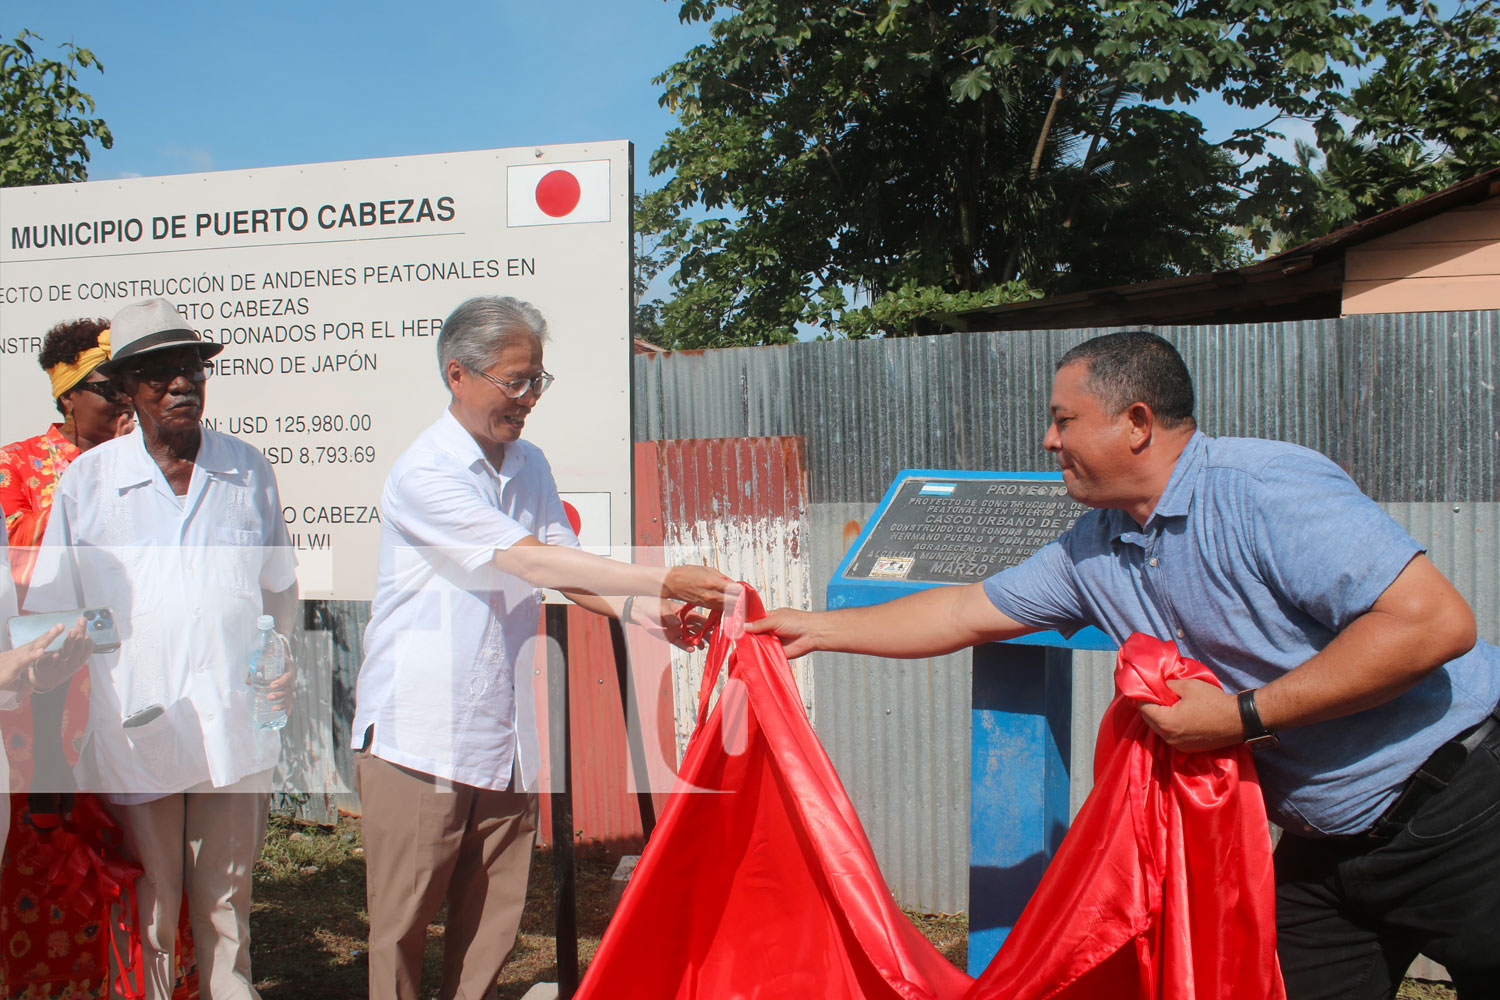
(1163, 886)
(759, 881)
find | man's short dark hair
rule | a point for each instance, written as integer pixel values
(1137, 366)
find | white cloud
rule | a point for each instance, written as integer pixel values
(195, 157)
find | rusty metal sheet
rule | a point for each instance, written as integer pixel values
(739, 504)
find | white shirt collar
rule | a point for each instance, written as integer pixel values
(454, 438)
(138, 468)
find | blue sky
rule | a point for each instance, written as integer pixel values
(190, 87)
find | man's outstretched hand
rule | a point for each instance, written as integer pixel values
(700, 585)
(797, 630)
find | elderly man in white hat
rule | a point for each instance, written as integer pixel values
(178, 529)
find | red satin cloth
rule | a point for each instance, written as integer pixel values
(759, 881)
(1163, 886)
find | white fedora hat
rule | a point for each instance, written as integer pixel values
(147, 326)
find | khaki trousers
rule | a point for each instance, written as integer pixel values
(428, 840)
(204, 841)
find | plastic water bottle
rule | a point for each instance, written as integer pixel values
(267, 662)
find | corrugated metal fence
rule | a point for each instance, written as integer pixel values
(1405, 403)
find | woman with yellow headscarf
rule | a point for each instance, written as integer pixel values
(93, 411)
(48, 948)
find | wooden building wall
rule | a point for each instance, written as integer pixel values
(1448, 263)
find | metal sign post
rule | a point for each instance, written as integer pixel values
(564, 873)
(635, 735)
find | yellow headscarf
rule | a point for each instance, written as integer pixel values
(66, 374)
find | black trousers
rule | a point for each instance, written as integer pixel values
(1352, 913)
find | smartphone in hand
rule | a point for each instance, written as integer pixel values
(99, 625)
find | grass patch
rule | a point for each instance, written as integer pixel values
(310, 927)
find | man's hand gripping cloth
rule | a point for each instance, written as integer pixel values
(759, 881)
(1163, 886)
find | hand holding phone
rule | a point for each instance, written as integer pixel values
(62, 641)
(18, 666)
(99, 625)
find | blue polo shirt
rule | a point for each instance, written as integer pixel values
(1257, 555)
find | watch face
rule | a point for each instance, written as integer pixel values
(1264, 741)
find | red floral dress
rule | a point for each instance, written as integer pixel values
(48, 949)
(29, 471)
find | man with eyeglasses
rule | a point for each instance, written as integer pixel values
(471, 527)
(178, 530)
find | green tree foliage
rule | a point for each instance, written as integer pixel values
(1426, 116)
(44, 118)
(656, 230)
(846, 162)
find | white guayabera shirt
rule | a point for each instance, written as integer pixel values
(448, 630)
(183, 576)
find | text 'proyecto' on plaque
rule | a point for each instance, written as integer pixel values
(959, 530)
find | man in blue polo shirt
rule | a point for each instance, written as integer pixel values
(1345, 656)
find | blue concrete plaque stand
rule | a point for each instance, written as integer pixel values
(1020, 744)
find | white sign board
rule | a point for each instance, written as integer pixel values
(328, 283)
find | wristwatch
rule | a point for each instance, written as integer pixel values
(1257, 736)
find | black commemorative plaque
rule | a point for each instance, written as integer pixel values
(939, 530)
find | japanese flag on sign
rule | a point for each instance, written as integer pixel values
(550, 194)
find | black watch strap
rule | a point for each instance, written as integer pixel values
(627, 616)
(1256, 733)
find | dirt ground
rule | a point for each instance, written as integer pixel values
(309, 924)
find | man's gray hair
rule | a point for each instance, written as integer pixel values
(477, 330)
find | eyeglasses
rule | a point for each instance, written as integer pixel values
(161, 376)
(516, 388)
(106, 389)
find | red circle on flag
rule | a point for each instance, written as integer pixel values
(557, 193)
(573, 517)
